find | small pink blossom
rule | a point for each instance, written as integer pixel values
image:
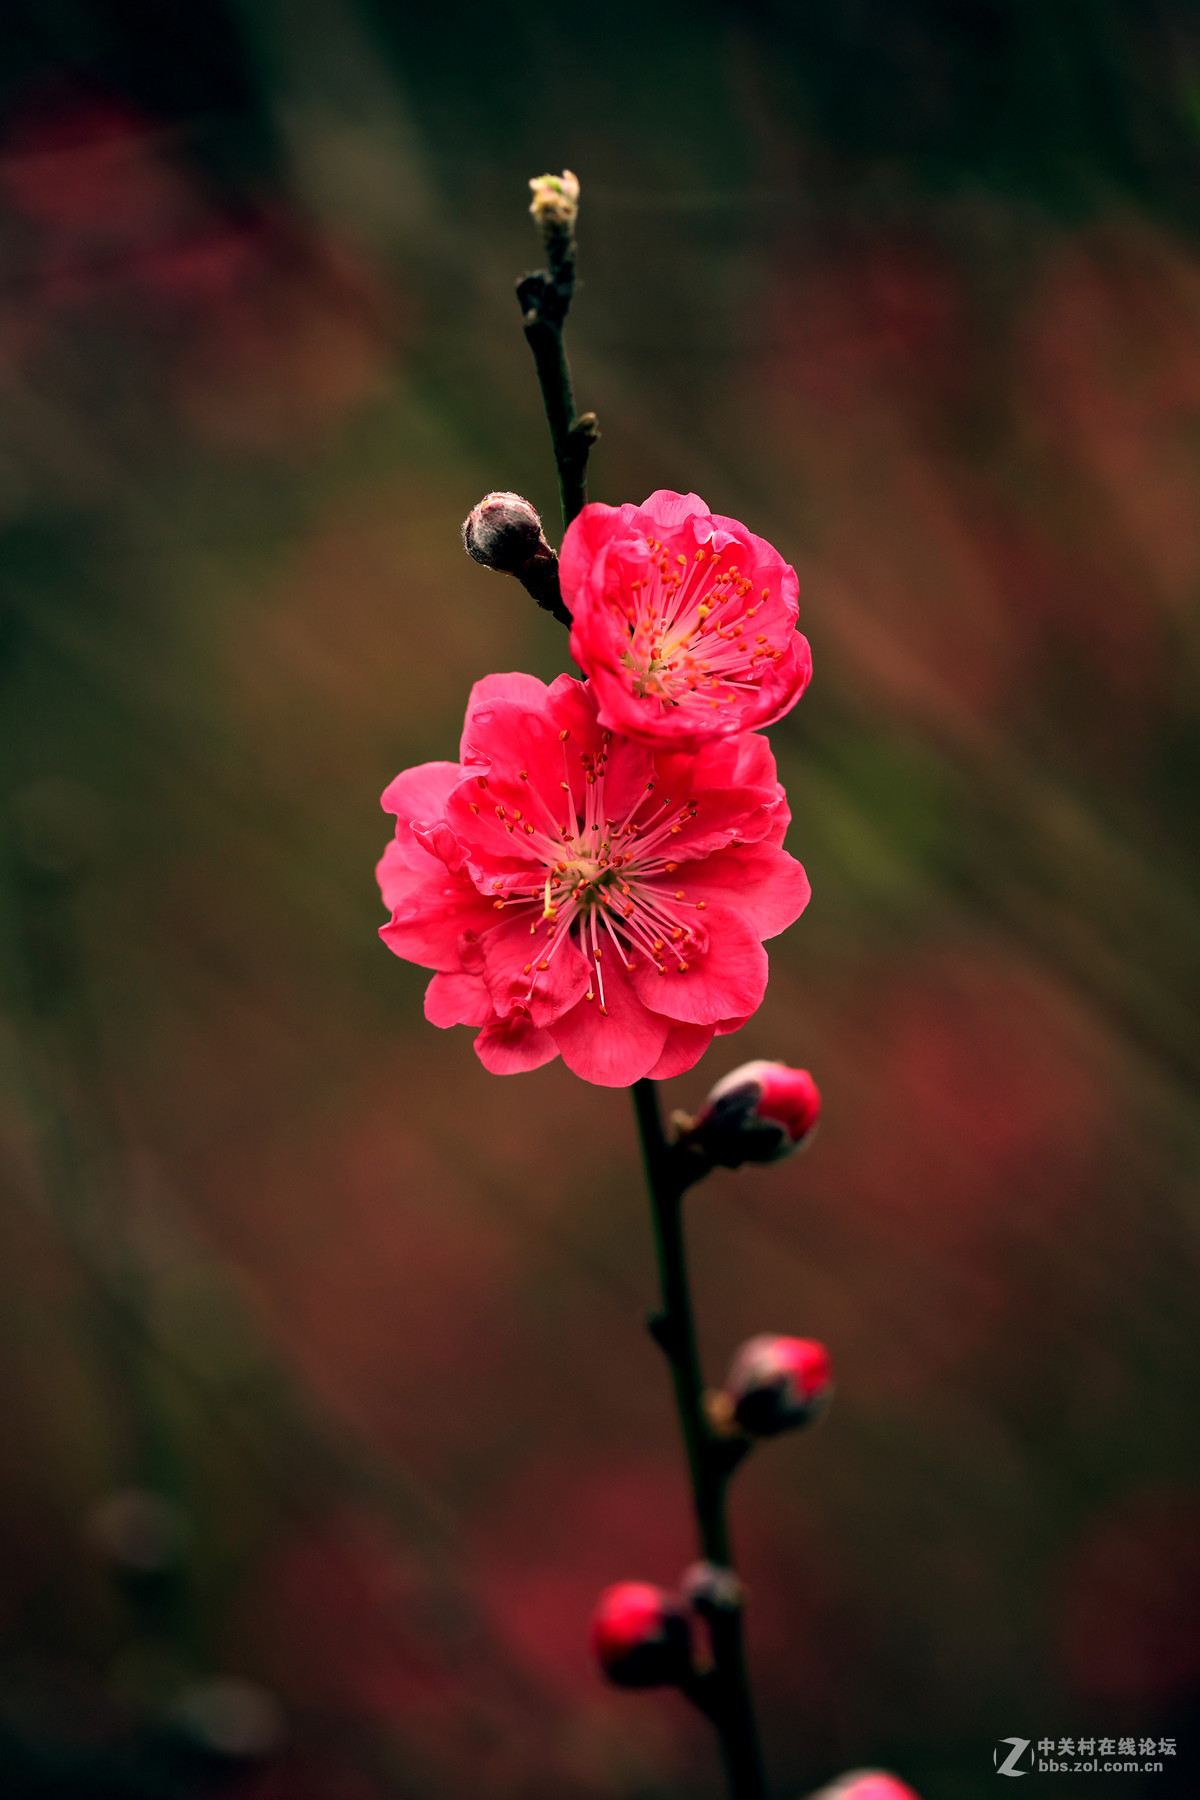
(581, 895)
(684, 621)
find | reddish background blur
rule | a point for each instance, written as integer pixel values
(327, 1406)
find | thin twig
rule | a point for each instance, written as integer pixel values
(670, 1171)
(545, 299)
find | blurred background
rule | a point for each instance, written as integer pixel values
(327, 1407)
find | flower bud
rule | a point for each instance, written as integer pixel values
(555, 203)
(866, 1784)
(760, 1112)
(640, 1635)
(777, 1383)
(504, 532)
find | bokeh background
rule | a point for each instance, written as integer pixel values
(326, 1404)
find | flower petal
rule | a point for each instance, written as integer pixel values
(421, 793)
(457, 1000)
(515, 980)
(766, 886)
(418, 798)
(726, 980)
(433, 920)
(518, 689)
(683, 1049)
(513, 1046)
(616, 1047)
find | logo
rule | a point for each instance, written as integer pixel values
(1013, 1756)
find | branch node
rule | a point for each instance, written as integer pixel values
(663, 1330)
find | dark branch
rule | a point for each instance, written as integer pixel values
(545, 300)
(724, 1693)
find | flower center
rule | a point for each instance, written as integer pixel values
(690, 630)
(610, 884)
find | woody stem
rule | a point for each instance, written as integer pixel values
(669, 1173)
(545, 299)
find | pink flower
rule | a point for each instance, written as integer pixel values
(684, 622)
(581, 895)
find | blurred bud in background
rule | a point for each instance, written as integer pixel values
(774, 1384)
(759, 1112)
(140, 1531)
(640, 1636)
(865, 1784)
(234, 1720)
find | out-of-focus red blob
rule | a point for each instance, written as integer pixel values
(548, 1544)
(1130, 1600)
(90, 170)
(866, 1784)
(942, 572)
(338, 1619)
(640, 1635)
(984, 1092)
(273, 330)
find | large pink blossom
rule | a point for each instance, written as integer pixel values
(581, 895)
(684, 621)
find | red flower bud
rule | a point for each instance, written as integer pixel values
(866, 1784)
(760, 1112)
(777, 1383)
(640, 1635)
(504, 532)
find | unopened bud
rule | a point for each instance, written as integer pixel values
(555, 203)
(504, 532)
(641, 1637)
(777, 1383)
(866, 1784)
(760, 1112)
